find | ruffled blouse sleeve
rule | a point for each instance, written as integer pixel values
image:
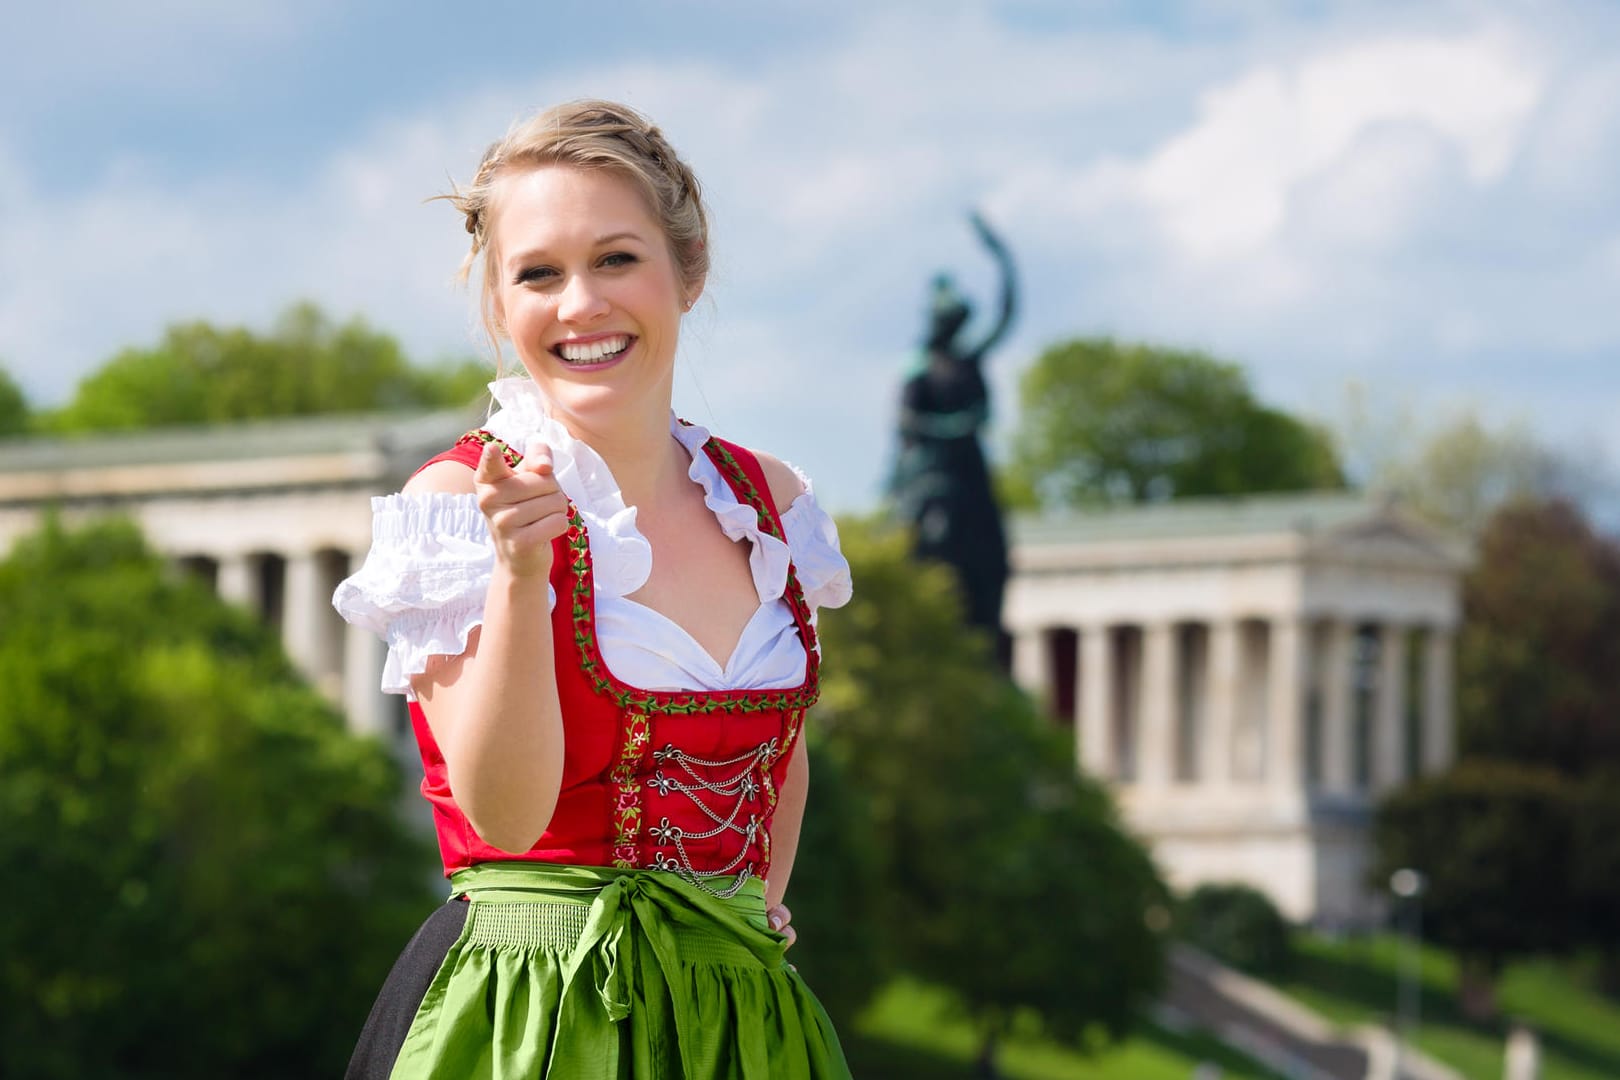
(813, 540)
(422, 586)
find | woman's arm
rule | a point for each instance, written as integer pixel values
(785, 824)
(493, 710)
(785, 487)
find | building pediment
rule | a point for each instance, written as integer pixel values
(1390, 538)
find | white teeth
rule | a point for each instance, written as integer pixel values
(595, 350)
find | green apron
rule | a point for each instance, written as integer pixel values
(568, 972)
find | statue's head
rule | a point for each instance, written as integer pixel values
(948, 311)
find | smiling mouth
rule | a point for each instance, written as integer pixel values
(600, 351)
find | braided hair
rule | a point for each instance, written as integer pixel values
(588, 134)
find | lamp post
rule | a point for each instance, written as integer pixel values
(1408, 885)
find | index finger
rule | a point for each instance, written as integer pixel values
(536, 456)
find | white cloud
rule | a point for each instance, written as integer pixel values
(1223, 188)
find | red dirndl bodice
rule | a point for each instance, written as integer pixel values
(678, 781)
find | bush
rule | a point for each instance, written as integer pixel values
(1237, 924)
(214, 880)
(841, 951)
(1000, 874)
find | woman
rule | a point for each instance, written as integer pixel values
(617, 788)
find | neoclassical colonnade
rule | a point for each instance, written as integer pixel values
(292, 591)
(1330, 705)
(1249, 675)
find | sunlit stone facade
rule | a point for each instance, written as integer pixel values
(1248, 675)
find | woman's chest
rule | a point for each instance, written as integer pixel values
(700, 580)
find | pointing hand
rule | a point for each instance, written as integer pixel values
(524, 506)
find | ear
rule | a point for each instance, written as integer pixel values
(694, 291)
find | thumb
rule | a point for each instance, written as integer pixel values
(492, 465)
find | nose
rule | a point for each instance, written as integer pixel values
(581, 300)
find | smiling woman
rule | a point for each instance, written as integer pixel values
(618, 787)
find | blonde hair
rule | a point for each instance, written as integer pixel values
(587, 134)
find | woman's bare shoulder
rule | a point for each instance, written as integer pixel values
(443, 478)
(784, 483)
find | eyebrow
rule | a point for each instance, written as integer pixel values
(600, 241)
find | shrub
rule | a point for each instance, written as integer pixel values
(1238, 924)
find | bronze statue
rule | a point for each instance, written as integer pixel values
(941, 483)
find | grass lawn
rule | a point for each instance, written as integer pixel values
(914, 1032)
(1353, 980)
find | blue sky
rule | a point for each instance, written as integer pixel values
(1418, 198)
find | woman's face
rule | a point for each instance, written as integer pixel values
(588, 293)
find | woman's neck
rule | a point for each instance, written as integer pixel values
(644, 458)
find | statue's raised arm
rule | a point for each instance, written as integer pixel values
(1009, 286)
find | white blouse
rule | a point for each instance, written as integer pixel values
(422, 586)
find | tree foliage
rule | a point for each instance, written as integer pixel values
(1107, 421)
(1238, 924)
(1540, 641)
(1493, 840)
(1458, 469)
(306, 365)
(843, 949)
(1519, 840)
(213, 880)
(13, 406)
(1594, 873)
(1001, 873)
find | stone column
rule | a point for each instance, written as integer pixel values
(367, 707)
(1157, 738)
(236, 582)
(1220, 711)
(1337, 687)
(1389, 727)
(301, 624)
(1032, 666)
(1439, 720)
(1098, 755)
(1285, 704)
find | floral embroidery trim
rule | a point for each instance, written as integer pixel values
(637, 732)
(481, 438)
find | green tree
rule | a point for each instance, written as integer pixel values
(1457, 468)
(306, 365)
(1539, 734)
(1001, 873)
(13, 406)
(842, 951)
(212, 877)
(1238, 924)
(1540, 641)
(1106, 421)
(1594, 874)
(1494, 841)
